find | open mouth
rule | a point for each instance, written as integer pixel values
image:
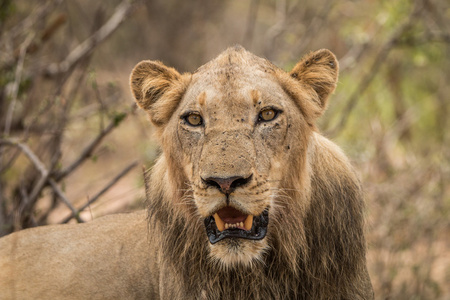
(229, 222)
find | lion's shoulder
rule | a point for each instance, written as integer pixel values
(73, 255)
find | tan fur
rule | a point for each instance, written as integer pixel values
(315, 245)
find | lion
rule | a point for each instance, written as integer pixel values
(246, 201)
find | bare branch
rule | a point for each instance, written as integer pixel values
(27, 151)
(11, 161)
(87, 152)
(23, 205)
(122, 11)
(29, 200)
(10, 54)
(64, 199)
(41, 12)
(374, 68)
(15, 86)
(102, 191)
(44, 175)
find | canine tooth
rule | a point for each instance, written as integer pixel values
(248, 223)
(227, 225)
(241, 224)
(220, 224)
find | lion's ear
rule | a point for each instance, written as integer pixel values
(319, 70)
(157, 89)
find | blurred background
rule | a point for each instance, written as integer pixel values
(73, 146)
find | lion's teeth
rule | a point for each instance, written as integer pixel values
(236, 225)
(219, 223)
(248, 223)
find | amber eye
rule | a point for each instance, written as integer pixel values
(194, 119)
(267, 115)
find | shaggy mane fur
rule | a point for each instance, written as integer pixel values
(320, 257)
(316, 252)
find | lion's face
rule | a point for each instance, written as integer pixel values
(236, 135)
(235, 142)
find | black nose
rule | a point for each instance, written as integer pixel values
(227, 185)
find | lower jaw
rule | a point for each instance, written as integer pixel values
(257, 232)
(234, 253)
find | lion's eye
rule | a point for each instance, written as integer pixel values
(194, 119)
(267, 115)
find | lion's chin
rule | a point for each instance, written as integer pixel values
(234, 252)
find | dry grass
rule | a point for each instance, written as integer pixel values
(408, 232)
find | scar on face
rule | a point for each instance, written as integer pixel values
(201, 98)
(255, 94)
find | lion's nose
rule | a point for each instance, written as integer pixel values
(227, 185)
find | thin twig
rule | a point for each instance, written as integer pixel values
(102, 191)
(10, 54)
(15, 86)
(64, 199)
(83, 49)
(38, 165)
(87, 152)
(27, 151)
(11, 161)
(24, 200)
(44, 175)
(373, 70)
(41, 11)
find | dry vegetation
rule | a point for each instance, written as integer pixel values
(69, 147)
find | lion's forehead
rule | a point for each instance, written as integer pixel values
(240, 96)
(233, 77)
(234, 70)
